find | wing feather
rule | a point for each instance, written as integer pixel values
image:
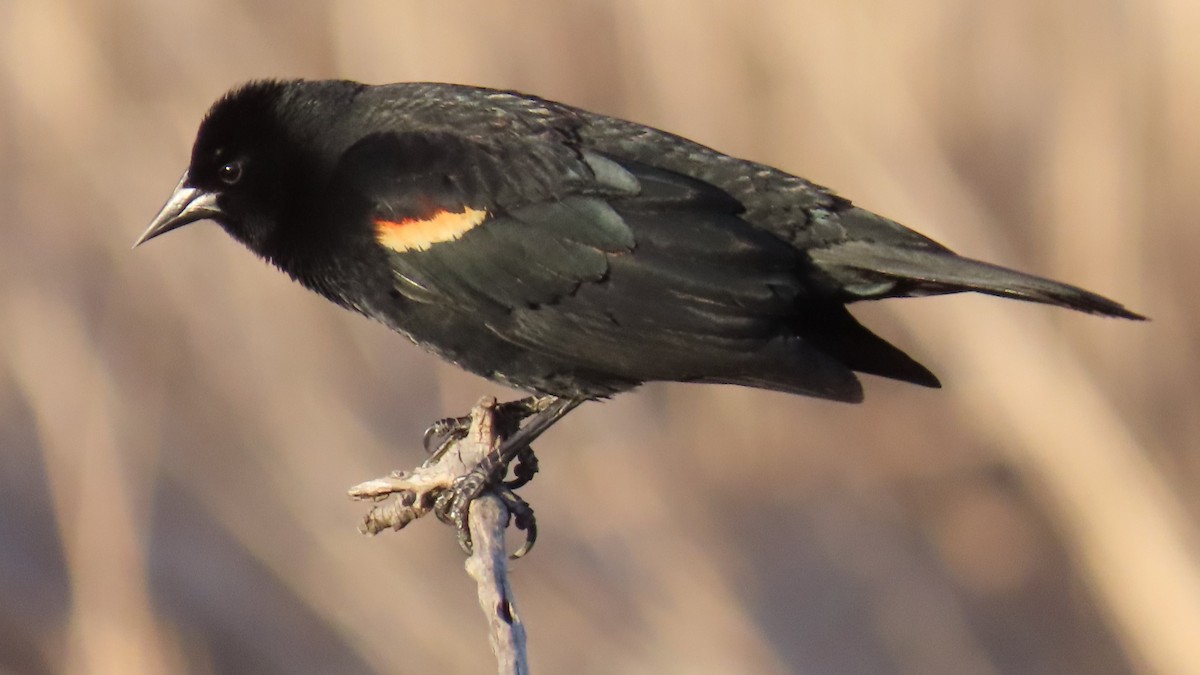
(618, 268)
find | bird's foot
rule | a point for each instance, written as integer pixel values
(444, 432)
(453, 505)
(487, 444)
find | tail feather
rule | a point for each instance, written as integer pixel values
(868, 270)
(834, 331)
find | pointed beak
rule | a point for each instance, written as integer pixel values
(186, 205)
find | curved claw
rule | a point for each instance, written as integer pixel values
(464, 538)
(446, 429)
(523, 519)
(525, 467)
(427, 438)
(530, 539)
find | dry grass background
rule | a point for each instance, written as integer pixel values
(177, 425)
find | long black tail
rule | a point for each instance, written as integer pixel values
(870, 270)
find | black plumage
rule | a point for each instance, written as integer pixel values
(565, 252)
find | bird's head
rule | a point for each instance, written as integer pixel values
(254, 155)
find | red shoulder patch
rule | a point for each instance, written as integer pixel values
(418, 234)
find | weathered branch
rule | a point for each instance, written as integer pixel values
(488, 565)
(415, 494)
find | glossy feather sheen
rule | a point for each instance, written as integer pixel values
(571, 253)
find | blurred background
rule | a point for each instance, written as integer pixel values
(179, 424)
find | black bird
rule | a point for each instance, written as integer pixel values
(563, 252)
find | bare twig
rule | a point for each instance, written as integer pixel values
(415, 494)
(488, 565)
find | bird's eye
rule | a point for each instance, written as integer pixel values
(230, 173)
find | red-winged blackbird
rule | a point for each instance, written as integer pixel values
(561, 251)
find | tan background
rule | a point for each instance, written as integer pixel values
(178, 424)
